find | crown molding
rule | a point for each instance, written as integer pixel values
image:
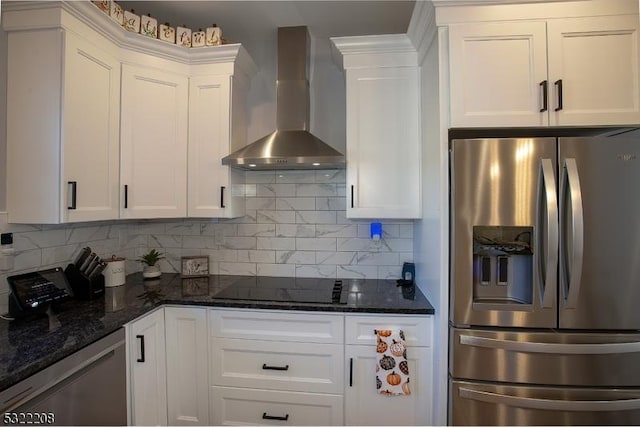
(422, 29)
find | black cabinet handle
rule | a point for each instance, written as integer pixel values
(275, 368)
(222, 197)
(544, 87)
(271, 417)
(126, 196)
(141, 338)
(558, 85)
(352, 196)
(74, 193)
(351, 372)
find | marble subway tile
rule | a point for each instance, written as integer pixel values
(341, 190)
(389, 272)
(39, 239)
(295, 230)
(276, 190)
(239, 243)
(256, 230)
(315, 217)
(28, 260)
(260, 177)
(357, 271)
(378, 258)
(295, 203)
(336, 176)
(261, 203)
(220, 229)
(237, 268)
(362, 245)
(331, 203)
(87, 234)
(249, 217)
(316, 271)
(316, 190)
(250, 190)
(406, 231)
(60, 255)
(276, 243)
(295, 176)
(147, 228)
(257, 256)
(165, 241)
(227, 255)
(316, 244)
(278, 270)
(337, 230)
(336, 258)
(277, 217)
(183, 228)
(199, 242)
(295, 257)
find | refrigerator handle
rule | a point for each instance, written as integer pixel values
(551, 404)
(571, 243)
(547, 262)
(551, 348)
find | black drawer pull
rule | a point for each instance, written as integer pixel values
(222, 197)
(545, 90)
(271, 417)
(74, 194)
(558, 85)
(275, 368)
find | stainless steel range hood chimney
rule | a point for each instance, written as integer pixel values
(291, 145)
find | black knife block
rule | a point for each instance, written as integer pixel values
(83, 287)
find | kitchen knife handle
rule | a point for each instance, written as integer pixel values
(126, 196)
(271, 417)
(558, 85)
(544, 87)
(275, 368)
(351, 372)
(222, 197)
(74, 192)
(141, 358)
(352, 205)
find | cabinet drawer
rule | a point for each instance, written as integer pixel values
(277, 326)
(417, 330)
(277, 365)
(234, 406)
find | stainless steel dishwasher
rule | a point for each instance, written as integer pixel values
(85, 388)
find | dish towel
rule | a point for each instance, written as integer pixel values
(392, 368)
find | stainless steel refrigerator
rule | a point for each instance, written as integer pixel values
(545, 281)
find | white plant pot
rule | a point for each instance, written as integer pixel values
(150, 271)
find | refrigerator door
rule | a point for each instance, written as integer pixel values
(504, 232)
(553, 358)
(599, 233)
(495, 404)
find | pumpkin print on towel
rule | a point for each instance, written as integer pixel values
(392, 368)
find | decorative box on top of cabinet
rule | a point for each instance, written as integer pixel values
(63, 110)
(569, 71)
(383, 125)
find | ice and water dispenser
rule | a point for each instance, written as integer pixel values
(502, 265)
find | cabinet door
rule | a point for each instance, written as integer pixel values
(147, 366)
(365, 406)
(209, 193)
(153, 143)
(383, 143)
(597, 61)
(498, 73)
(91, 138)
(187, 374)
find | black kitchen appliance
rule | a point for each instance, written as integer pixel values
(33, 293)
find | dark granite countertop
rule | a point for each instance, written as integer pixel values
(28, 346)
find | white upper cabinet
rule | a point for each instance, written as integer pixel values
(383, 126)
(62, 127)
(153, 143)
(597, 61)
(555, 72)
(217, 126)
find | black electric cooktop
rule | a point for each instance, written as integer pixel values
(285, 289)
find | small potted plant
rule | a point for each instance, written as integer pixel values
(150, 259)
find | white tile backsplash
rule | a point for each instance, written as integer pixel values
(295, 224)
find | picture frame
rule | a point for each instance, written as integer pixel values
(195, 266)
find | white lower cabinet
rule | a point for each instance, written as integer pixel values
(243, 406)
(269, 367)
(363, 404)
(147, 378)
(187, 367)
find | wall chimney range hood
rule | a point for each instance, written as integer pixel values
(291, 145)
